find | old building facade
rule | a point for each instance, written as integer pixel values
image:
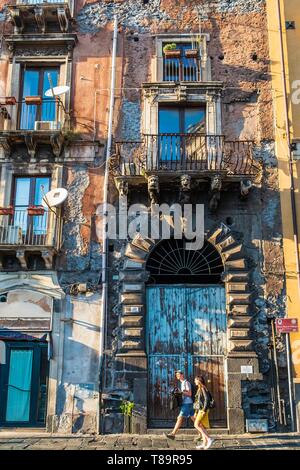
(189, 98)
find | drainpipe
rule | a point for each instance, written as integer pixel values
(293, 202)
(103, 321)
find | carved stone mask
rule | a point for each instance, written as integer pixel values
(185, 182)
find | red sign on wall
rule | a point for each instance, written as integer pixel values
(286, 325)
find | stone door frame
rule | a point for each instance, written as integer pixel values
(240, 352)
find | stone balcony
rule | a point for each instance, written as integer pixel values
(42, 16)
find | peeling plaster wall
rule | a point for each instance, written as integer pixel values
(78, 391)
(77, 408)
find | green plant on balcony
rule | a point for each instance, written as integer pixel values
(70, 137)
(170, 50)
(126, 408)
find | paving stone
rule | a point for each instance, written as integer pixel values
(150, 442)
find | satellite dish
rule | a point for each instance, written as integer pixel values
(55, 197)
(56, 91)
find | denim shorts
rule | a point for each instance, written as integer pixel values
(186, 410)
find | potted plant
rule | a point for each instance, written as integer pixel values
(7, 210)
(171, 52)
(126, 408)
(35, 210)
(195, 51)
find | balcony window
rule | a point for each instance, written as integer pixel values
(179, 129)
(36, 81)
(183, 67)
(29, 191)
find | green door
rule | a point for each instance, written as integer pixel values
(23, 381)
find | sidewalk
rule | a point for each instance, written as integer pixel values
(42, 441)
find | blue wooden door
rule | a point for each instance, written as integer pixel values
(186, 329)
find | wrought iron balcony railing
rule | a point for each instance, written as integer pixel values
(185, 69)
(20, 229)
(33, 113)
(184, 152)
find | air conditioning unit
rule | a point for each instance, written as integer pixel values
(46, 126)
(10, 235)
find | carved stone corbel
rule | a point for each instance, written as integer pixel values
(20, 255)
(11, 50)
(153, 188)
(31, 146)
(17, 20)
(245, 186)
(4, 142)
(56, 142)
(122, 186)
(185, 189)
(40, 18)
(215, 192)
(48, 258)
(62, 19)
(70, 51)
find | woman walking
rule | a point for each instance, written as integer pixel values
(201, 407)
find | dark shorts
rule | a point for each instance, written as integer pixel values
(186, 410)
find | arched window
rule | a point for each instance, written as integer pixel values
(171, 263)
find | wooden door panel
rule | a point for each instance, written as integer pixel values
(161, 380)
(186, 329)
(206, 316)
(166, 312)
(212, 369)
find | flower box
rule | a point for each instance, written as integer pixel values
(10, 100)
(31, 100)
(35, 210)
(191, 53)
(7, 210)
(172, 54)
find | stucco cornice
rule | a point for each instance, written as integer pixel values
(40, 281)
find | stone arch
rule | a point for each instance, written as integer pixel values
(131, 344)
(236, 279)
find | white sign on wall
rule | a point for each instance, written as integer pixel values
(246, 369)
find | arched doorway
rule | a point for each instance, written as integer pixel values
(186, 325)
